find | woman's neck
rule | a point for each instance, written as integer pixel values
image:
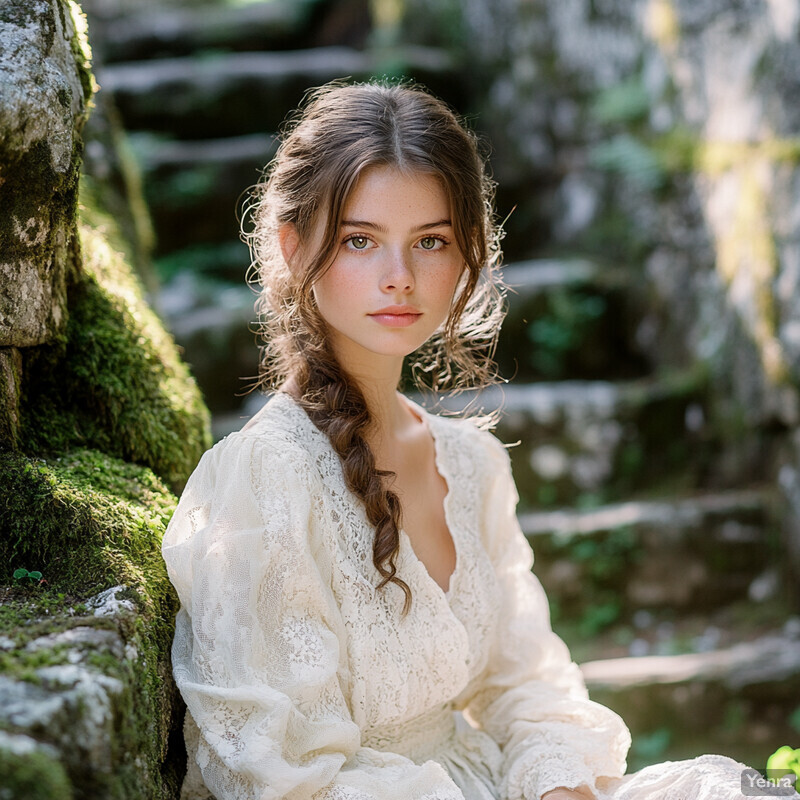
(390, 416)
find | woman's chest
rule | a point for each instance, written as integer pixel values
(423, 499)
(401, 666)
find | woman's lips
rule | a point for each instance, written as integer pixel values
(396, 320)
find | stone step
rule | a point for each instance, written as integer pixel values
(745, 698)
(693, 553)
(577, 319)
(593, 442)
(221, 95)
(193, 187)
(213, 324)
(170, 32)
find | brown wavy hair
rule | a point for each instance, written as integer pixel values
(338, 132)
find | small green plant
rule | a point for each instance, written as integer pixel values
(21, 575)
(784, 761)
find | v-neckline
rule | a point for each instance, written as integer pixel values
(444, 473)
(442, 468)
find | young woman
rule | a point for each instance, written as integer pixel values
(359, 618)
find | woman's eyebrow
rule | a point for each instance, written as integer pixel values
(360, 223)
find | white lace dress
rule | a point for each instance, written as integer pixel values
(303, 681)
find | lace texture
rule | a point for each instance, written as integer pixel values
(302, 681)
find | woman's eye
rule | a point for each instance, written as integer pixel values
(430, 243)
(358, 242)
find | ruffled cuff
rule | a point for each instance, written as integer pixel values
(539, 772)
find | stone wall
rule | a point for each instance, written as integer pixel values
(100, 423)
(661, 136)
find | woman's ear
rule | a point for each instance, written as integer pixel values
(289, 241)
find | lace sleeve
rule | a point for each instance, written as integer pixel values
(258, 653)
(533, 700)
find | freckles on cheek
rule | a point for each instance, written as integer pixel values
(341, 282)
(449, 281)
(336, 287)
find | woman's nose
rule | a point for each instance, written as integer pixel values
(398, 272)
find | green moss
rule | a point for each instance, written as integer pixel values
(23, 665)
(85, 520)
(121, 213)
(88, 521)
(82, 53)
(109, 418)
(33, 776)
(115, 382)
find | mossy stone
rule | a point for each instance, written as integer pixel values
(88, 521)
(114, 381)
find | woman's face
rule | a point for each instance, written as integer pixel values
(394, 276)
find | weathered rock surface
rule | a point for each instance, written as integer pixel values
(45, 87)
(662, 133)
(659, 133)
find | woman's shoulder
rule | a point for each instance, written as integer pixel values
(281, 421)
(280, 436)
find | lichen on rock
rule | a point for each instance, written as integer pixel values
(45, 92)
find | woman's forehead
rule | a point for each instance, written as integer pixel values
(385, 192)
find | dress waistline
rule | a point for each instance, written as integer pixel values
(419, 738)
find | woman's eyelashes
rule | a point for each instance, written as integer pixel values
(433, 242)
(358, 242)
